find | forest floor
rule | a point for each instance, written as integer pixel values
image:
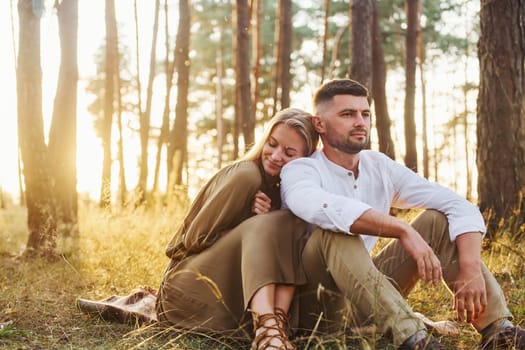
(115, 253)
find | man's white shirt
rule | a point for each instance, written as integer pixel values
(329, 196)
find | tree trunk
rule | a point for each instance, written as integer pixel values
(335, 51)
(177, 150)
(63, 131)
(361, 55)
(257, 52)
(145, 116)
(39, 195)
(123, 188)
(285, 29)
(421, 61)
(278, 64)
(109, 97)
(325, 38)
(466, 112)
(410, 84)
(218, 101)
(169, 68)
(242, 74)
(383, 123)
(501, 103)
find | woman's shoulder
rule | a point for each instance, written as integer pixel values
(243, 172)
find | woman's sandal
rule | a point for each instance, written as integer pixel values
(263, 339)
(284, 321)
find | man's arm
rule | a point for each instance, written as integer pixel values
(470, 295)
(375, 223)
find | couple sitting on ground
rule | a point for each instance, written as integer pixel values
(239, 259)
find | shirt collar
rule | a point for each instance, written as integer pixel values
(333, 167)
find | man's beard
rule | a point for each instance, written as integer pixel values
(346, 145)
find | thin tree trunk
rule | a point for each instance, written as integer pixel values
(22, 201)
(178, 139)
(257, 52)
(335, 52)
(145, 117)
(383, 123)
(421, 60)
(325, 38)
(169, 68)
(109, 97)
(218, 101)
(39, 195)
(242, 76)
(286, 51)
(236, 104)
(361, 53)
(123, 188)
(466, 137)
(278, 64)
(410, 84)
(63, 131)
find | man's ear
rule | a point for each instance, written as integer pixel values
(318, 124)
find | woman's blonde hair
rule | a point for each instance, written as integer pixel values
(296, 118)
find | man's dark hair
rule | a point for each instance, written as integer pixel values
(339, 87)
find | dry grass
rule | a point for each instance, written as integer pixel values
(116, 253)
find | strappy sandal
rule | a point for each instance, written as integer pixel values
(267, 333)
(284, 323)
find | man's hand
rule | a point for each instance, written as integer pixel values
(261, 203)
(428, 264)
(375, 223)
(470, 295)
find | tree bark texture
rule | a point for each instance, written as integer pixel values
(361, 55)
(39, 195)
(501, 106)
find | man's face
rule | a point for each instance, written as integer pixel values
(344, 123)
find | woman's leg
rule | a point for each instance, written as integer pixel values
(272, 300)
(283, 296)
(263, 301)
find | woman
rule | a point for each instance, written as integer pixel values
(227, 263)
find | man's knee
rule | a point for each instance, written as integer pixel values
(431, 219)
(432, 215)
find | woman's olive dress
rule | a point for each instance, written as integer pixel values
(223, 253)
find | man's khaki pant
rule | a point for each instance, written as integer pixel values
(349, 288)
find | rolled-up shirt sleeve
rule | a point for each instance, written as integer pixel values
(413, 191)
(303, 191)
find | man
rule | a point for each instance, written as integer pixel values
(347, 192)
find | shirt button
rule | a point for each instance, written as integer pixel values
(355, 186)
(325, 205)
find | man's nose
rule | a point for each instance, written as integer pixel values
(360, 119)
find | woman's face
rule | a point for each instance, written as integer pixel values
(283, 145)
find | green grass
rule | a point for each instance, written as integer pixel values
(118, 252)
